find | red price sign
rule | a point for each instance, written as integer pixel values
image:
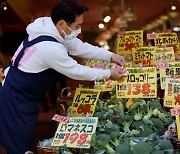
(175, 111)
(84, 101)
(76, 133)
(140, 83)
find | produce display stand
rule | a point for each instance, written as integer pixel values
(138, 91)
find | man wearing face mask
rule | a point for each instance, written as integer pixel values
(39, 58)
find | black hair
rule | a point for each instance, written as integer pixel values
(67, 10)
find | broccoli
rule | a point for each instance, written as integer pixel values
(115, 136)
(157, 151)
(155, 105)
(165, 145)
(158, 125)
(103, 141)
(142, 148)
(144, 129)
(124, 148)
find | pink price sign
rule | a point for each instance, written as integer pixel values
(175, 111)
(60, 118)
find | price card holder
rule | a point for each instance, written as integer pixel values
(172, 93)
(84, 102)
(170, 72)
(163, 56)
(168, 40)
(140, 83)
(143, 56)
(178, 125)
(76, 133)
(129, 40)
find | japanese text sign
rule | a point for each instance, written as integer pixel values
(163, 56)
(143, 56)
(76, 133)
(140, 83)
(168, 40)
(172, 93)
(104, 84)
(169, 72)
(129, 40)
(84, 102)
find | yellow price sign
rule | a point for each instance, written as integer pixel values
(129, 40)
(172, 93)
(140, 83)
(168, 40)
(105, 84)
(163, 56)
(178, 125)
(84, 102)
(143, 56)
(169, 72)
(76, 133)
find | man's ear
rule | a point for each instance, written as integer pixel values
(60, 24)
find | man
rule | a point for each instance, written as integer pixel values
(34, 65)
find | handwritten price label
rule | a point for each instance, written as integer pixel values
(76, 133)
(163, 56)
(129, 40)
(172, 93)
(168, 40)
(143, 56)
(140, 83)
(170, 72)
(84, 102)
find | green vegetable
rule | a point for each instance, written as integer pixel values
(144, 129)
(124, 148)
(158, 125)
(165, 145)
(135, 106)
(142, 148)
(103, 141)
(157, 151)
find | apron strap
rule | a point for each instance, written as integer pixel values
(27, 44)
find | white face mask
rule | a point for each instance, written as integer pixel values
(74, 33)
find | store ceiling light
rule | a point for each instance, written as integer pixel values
(173, 7)
(129, 14)
(101, 25)
(107, 19)
(3, 5)
(176, 29)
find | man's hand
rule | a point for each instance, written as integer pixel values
(1, 75)
(118, 59)
(116, 74)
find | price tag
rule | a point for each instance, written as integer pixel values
(129, 40)
(175, 111)
(60, 118)
(105, 84)
(76, 133)
(163, 56)
(84, 102)
(143, 56)
(152, 36)
(140, 83)
(168, 40)
(178, 125)
(172, 93)
(170, 72)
